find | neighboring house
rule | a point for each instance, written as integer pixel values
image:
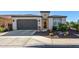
(36, 22)
(5, 22)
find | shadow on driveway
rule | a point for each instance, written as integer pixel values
(19, 33)
(55, 46)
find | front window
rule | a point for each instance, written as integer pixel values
(57, 21)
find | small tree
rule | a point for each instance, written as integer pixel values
(72, 24)
(67, 23)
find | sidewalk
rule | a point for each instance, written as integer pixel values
(24, 41)
(3, 33)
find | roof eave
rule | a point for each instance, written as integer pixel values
(57, 16)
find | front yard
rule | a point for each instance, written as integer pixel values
(71, 34)
(68, 30)
(59, 34)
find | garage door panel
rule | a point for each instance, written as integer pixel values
(27, 24)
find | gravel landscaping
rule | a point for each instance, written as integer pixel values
(59, 34)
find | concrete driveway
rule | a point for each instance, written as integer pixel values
(18, 33)
(23, 41)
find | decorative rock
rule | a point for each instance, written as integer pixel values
(66, 33)
(50, 34)
(56, 36)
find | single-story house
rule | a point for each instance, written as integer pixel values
(6, 22)
(44, 21)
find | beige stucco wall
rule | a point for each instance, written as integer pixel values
(14, 24)
(45, 15)
(50, 23)
(39, 19)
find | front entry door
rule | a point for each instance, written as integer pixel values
(45, 24)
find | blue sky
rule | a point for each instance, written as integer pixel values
(71, 15)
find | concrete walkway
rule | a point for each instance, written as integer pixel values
(25, 41)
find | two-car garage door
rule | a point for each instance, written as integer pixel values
(27, 24)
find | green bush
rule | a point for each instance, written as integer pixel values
(2, 29)
(55, 28)
(63, 27)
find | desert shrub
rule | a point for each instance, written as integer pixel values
(76, 26)
(2, 29)
(63, 27)
(54, 28)
(10, 27)
(73, 24)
